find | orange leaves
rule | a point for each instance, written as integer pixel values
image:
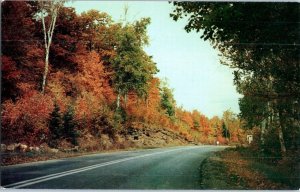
(58, 85)
(154, 95)
(87, 89)
(26, 120)
(234, 136)
(108, 92)
(86, 106)
(146, 109)
(187, 118)
(34, 105)
(81, 75)
(91, 76)
(25, 88)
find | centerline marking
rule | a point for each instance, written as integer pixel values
(78, 170)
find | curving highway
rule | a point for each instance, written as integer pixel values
(161, 168)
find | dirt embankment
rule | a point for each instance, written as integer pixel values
(87, 143)
(147, 137)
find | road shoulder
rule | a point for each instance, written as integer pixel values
(229, 169)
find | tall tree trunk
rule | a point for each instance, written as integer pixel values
(280, 125)
(118, 100)
(45, 71)
(277, 121)
(262, 133)
(125, 100)
(296, 124)
(48, 34)
(147, 103)
(265, 125)
(281, 140)
(295, 133)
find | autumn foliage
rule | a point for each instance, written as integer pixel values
(85, 61)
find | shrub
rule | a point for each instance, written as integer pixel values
(26, 120)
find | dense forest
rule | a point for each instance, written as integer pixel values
(72, 78)
(260, 41)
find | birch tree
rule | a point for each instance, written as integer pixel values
(48, 11)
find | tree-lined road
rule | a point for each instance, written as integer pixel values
(164, 168)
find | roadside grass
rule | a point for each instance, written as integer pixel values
(284, 171)
(215, 176)
(242, 168)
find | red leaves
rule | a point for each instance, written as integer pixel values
(26, 120)
(9, 69)
(17, 19)
(80, 75)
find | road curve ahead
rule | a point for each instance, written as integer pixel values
(163, 168)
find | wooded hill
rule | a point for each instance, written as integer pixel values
(73, 78)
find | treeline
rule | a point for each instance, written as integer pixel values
(260, 41)
(99, 80)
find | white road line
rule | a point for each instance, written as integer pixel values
(70, 172)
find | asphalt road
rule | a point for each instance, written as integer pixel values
(163, 168)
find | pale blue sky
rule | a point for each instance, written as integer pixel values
(190, 64)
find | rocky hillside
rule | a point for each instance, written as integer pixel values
(146, 137)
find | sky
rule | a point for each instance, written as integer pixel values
(189, 63)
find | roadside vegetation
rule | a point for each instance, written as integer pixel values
(78, 83)
(245, 168)
(260, 42)
(83, 82)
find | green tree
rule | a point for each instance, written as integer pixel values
(132, 67)
(225, 131)
(69, 125)
(55, 125)
(244, 34)
(228, 121)
(167, 100)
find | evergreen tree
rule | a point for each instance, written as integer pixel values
(225, 131)
(69, 125)
(55, 125)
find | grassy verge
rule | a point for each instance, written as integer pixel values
(241, 168)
